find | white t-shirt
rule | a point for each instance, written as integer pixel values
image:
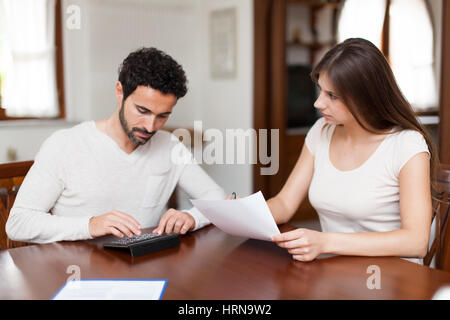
(365, 199)
(81, 172)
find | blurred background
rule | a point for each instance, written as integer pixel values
(247, 62)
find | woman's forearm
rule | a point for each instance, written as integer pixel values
(401, 243)
(280, 212)
(284, 205)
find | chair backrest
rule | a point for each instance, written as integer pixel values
(440, 248)
(11, 177)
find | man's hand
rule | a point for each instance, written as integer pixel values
(116, 223)
(176, 221)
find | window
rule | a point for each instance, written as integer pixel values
(403, 30)
(31, 59)
(362, 19)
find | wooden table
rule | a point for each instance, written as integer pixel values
(210, 264)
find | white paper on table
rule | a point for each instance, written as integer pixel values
(442, 294)
(245, 217)
(112, 289)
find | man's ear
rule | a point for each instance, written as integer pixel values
(119, 93)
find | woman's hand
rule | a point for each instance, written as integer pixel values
(302, 244)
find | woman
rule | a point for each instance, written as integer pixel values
(366, 164)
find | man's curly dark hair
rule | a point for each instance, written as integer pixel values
(153, 68)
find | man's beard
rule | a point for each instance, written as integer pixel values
(130, 133)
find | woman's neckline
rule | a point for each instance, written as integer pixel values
(362, 165)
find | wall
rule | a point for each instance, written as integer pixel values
(109, 31)
(228, 103)
(26, 137)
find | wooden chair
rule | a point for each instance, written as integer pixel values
(11, 177)
(440, 248)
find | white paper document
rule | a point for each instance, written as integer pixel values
(112, 289)
(248, 217)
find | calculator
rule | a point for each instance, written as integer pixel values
(144, 243)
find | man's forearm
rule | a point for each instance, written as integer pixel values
(40, 227)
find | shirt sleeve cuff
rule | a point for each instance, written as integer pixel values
(85, 231)
(200, 220)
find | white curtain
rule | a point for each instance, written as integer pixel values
(411, 52)
(29, 86)
(362, 19)
(410, 43)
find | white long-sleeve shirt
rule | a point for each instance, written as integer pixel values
(81, 172)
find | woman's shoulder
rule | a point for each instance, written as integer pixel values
(320, 123)
(317, 134)
(406, 143)
(320, 127)
(407, 136)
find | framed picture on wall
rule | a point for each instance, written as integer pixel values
(223, 60)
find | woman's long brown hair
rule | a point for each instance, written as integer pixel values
(363, 79)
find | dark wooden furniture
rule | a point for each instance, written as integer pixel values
(210, 264)
(444, 110)
(440, 248)
(11, 177)
(314, 8)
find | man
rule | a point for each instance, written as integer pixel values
(115, 176)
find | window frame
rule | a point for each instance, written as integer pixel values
(386, 50)
(59, 71)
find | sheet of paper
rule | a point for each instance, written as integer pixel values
(112, 289)
(248, 217)
(442, 294)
